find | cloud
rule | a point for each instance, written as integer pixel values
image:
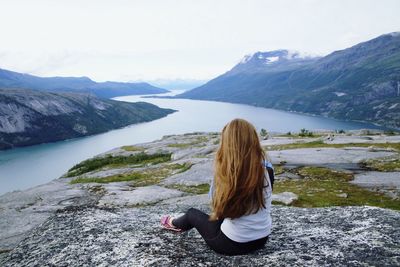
(168, 39)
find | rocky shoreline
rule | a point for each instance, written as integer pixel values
(81, 220)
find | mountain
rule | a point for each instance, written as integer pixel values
(12, 80)
(29, 117)
(358, 83)
(178, 84)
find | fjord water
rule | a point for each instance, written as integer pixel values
(22, 168)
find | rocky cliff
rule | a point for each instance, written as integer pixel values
(30, 117)
(106, 210)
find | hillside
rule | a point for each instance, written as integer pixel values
(12, 80)
(29, 117)
(358, 83)
(335, 203)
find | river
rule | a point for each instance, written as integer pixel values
(21, 168)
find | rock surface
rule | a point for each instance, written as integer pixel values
(88, 224)
(87, 236)
(120, 197)
(284, 197)
(332, 157)
(22, 211)
(370, 179)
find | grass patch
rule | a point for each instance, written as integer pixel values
(386, 164)
(321, 187)
(148, 177)
(192, 189)
(113, 161)
(132, 148)
(320, 144)
(196, 142)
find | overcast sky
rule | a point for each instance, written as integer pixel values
(128, 40)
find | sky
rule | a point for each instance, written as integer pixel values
(132, 40)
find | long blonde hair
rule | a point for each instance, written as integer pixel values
(239, 173)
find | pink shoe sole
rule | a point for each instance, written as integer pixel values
(165, 223)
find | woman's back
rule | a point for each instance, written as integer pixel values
(253, 226)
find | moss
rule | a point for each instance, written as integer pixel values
(320, 144)
(97, 189)
(386, 164)
(321, 187)
(181, 167)
(132, 148)
(149, 177)
(197, 142)
(278, 169)
(113, 161)
(192, 189)
(180, 145)
(109, 179)
(185, 167)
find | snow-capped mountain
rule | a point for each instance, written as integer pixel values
(276, 60)
(358, 83)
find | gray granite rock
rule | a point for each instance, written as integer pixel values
(287, 175)
(370, 179)
(284, 197)
(89, 236)
(122, 197)
(332, 157)
(200, 173)
(344, 139)
(22, 211)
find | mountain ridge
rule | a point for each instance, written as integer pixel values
(29, 117)
(15, 80)
(358, 83)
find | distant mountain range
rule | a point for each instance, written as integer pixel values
(358, 83)
(12, 80)
(29, 117)
(178, 84)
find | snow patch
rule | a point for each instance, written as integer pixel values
(339, 94)
(393, 106)
(270, 60)
(246, 59)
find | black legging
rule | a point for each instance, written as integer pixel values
(212, 234)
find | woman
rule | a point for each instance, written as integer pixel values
(241, 192)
